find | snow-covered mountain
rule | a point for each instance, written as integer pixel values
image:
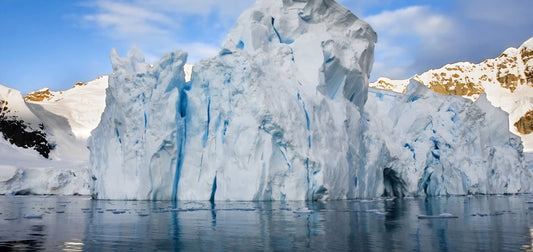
(284, 113)
(44, 135)
(70, 116)
(19, 125)
(507, 80)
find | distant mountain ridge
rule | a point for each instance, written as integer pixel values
(507, 80)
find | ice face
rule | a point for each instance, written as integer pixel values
(329, 49)
(423, 143)
(134, 150)
(280, 114)
(275, 116)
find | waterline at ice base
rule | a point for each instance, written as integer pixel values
(284, 112)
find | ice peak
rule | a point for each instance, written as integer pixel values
(134, 62)
(330, 48)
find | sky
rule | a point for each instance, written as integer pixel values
(56, 43)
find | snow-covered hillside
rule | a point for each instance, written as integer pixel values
(59, 122)
(507, 81)
(18, 125)
(70, 116)
(82, 105)
(24, 171)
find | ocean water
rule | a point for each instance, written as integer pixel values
(475, 223)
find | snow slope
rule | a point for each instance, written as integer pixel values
(82, 105)
(70, 116)
(66, 119)
(282, 114)
(507, 81)
(18, 125)
(24, 171)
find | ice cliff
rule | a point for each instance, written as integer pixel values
(280, 114)
(425, 143)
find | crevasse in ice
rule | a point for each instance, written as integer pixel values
(280, 114)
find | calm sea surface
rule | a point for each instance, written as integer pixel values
(484, 223)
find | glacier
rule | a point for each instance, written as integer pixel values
(284, 113)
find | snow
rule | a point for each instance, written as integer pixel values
(385, 83)
(24, 171)
(17, 107)
(67, 117)
(81, 105)
(187, 68)
(70, 116)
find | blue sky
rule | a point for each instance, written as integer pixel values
(56, 43)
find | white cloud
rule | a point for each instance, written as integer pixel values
(146, 17)
(403, 34)
(159, 26)
(198, 7)
(414, 21)
(196, 51)
(413, 39)
(127, 21)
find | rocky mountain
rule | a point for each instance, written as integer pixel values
(507, 80)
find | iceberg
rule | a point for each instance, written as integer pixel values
(284, 112)
(275, 116)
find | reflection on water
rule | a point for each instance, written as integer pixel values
(485, 223)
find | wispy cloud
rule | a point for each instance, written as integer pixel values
(413, 39)
(159, 26)
(404, 32)
(413, 35)
(123, 20)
